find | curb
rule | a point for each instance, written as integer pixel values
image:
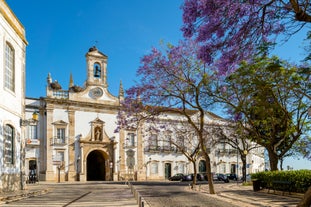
(140, 199)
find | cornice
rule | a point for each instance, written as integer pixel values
(77, 104)
(9, 16)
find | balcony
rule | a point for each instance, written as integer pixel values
(57, 141)
(163, 149)
(129, 145)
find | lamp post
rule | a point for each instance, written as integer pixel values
(78, 168)
(245, 152)
(25, 122)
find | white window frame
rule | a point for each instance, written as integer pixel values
(9, 69)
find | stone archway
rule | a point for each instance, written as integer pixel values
(95, 164)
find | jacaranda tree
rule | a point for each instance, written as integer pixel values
(230, 31)
(174, 80)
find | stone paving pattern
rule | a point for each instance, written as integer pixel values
(228, 195)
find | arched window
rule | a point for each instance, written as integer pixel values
(8, 144)
(9, 70)
(97, 70)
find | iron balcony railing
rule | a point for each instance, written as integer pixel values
(58, 140)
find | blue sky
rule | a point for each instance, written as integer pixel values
(60, 32)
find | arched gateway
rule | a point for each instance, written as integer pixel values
(96, 166)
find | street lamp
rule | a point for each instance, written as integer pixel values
(26, 122)
(33, 120)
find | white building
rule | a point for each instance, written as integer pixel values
(12, 97)
(76, 140)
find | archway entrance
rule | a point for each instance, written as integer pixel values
(95, 166)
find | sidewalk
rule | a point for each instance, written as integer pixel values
(245, 196)
(30, 190)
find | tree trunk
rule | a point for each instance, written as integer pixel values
(209, 173)
(273, 159)
(306, 200)
(243, 158)
(281, 164)
(194, 181)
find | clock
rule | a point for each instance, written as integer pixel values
(97, 92)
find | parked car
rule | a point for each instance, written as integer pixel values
(232, 176)
(222, 177)
(189, 177)
(177, 177)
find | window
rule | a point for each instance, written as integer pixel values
(167, 142)
(60, 135)
(130, 140)
(60, 156)
(8, 144)
(181, 168)
(154, 168)
(153, 140)
(32, 132)
(180, 141)
(9, 68)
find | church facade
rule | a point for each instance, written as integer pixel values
(76, 139)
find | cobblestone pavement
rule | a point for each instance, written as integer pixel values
(161, 194)
(240, 195)
(227, 194)
(75, 194)
(167, 195)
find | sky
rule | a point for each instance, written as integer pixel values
(60, 32)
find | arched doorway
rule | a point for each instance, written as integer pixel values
(96, 166)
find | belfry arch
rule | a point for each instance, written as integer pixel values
(96, 166)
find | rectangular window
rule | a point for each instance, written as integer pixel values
(130, 140)
(180, 141)
(61, 133)
(32, 132)
(60, 156)
(8, 144)
(154, 168)
(9, 68)
(181, 168)
(153, 141)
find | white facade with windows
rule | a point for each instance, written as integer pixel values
(12, 97)
(78, 141)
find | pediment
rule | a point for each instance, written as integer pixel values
(59, 122)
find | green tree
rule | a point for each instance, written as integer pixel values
(267, 97)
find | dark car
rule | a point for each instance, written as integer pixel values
(177, 177)
(189, 177)
(232, 176)
(222, 177)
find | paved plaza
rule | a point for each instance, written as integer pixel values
(152, 194)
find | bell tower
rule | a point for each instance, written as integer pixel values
(96, 68)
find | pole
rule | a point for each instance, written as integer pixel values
(58, 167)
(237, 165)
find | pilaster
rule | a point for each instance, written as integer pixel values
(71, 143)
